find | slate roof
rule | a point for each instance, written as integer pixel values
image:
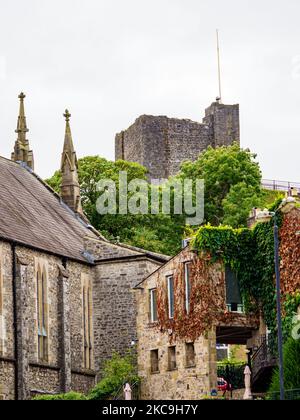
(116, 251)
(32, 214)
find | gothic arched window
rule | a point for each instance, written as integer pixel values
(42, 315)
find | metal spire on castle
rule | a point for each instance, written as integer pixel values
(219, 98)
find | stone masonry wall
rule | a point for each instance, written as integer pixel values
(115, 307)
(7, 354)
(34, 375)
(184, 382)
(161, 144)
(208, 299)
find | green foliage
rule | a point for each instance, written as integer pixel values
(116, 372)
(238, 203)
(235, 247)
(270, 197)
(222, 169)
(291, 364)
(159, 233)
(233, 372)
(291, 305)
(232, 187)
(70, 396)
(250, 253)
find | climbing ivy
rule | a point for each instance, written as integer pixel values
(250, 253)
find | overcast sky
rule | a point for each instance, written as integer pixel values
(110, 61)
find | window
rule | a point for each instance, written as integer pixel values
(170, 285)
(153, 305)
(154, 361)
(190, 354)
(187, 282)
(222, 352)
(233, 296)
(87, 325)
(42, 315)
(172, 358)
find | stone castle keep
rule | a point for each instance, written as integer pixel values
(161, 144)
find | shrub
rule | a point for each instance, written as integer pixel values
(70, 396)
(117, 371)
(291, 363)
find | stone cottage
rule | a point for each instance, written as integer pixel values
(66, 298)
(189, 305)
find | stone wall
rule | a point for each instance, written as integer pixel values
(161, 144)
(34, 375)
(185, 382)
(208, 306)
(115, 306)
(7, 380)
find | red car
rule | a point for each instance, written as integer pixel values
(223, 385)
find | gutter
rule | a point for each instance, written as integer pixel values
(44, 251)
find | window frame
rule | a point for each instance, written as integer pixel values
(170, 367)
(187, 287)
(187, 364)
(152, 371)
(171, 296)
(42, 314)
(152, 293)
(86, 297)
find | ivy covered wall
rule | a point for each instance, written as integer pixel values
(250, 253)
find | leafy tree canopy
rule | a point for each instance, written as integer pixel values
(159, 233)
(232, 187)
(227, 172)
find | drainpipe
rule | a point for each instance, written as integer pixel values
(15, 315)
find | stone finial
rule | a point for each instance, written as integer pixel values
(70, 189)
(22, 152)
(67, 115)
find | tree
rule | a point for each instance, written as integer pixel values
(291, 364)
(232, 188)
(158, 233)
(116, 372)
(238, 202)
(222, 169)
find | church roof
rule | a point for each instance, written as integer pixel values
(32, 214)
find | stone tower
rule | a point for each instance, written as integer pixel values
(22, 152)
(161, 144)
(70, 190)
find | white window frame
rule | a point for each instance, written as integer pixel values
(170, 308)
(152, 312)
(187, 286)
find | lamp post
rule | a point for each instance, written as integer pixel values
(278, 302)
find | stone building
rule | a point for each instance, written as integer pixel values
(161, 144)
(190, 305)
(66, 298)
(175, 361)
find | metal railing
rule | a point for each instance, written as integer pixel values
(135, 387)
(262, 358)
(289, 394)
(274, 185)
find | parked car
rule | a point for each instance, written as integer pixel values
(223, 385)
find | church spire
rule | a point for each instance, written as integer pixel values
(70, 190)
(22, 152)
